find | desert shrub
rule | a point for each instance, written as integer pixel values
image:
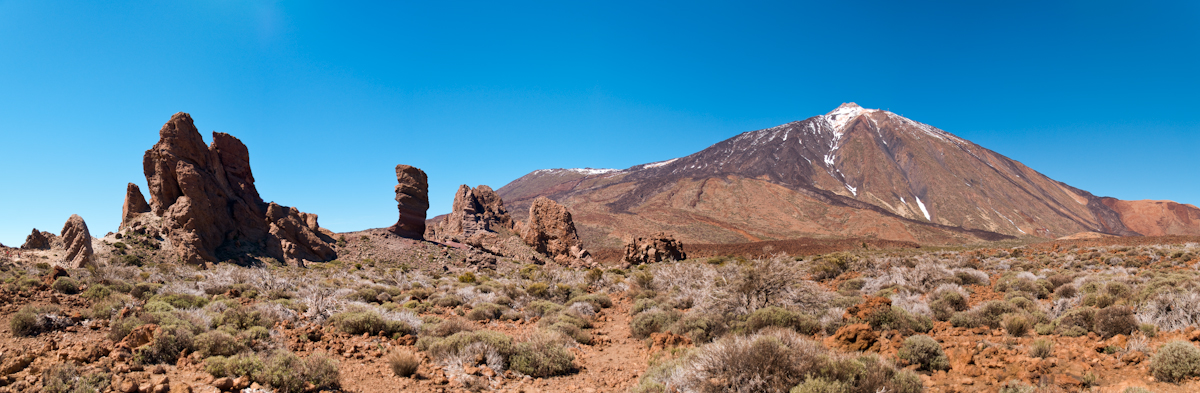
(700, 327)
(925, 352)
(1016, 325)
(1136, 389)
(1065, 291)
(217, 343)
(539, 290)
(991, 314)
(1044, 328)
(66, 285)
(1098, 300)
(403, 363)
(243, 317)
(448, 301)
(853, 284)
(448, 327)
(1076, 319)
(899, 319)
(775, 360)
(182, 300)
(820, 385)
(780, 317)
(369, 322)
(65, 378)
(485, 311)
(33, 320)
(97, 292)
(1041, 348)
(642, 305)
(1115, 320)
(597, 300)
(246, 364)
(443, 347)
(165, 347)
(544, 355)
(1175, 360)
(121, 327)
(830, 265)
(654, 321)
(946, 302)
(289, 373)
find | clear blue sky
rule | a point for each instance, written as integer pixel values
(329, 97)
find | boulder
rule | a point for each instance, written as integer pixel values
(412, 199)
(77, 242)
(209, 207)
(551, 232)
(476, 211)
(657, 248)
(54, 274)
(135, 204)
(856, 337)
(37, 240)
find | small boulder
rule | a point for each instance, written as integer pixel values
(855, 337)
(658, 248)
(53, 275)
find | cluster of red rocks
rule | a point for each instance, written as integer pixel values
(658, 248)
(75, 242)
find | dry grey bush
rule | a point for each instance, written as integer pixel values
(912, 303)
(773, 360)
(1171, 311)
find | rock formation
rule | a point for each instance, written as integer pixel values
(657, 248)
(77, 242)
(476, 212)
(135, 204)
(209, 207)
(551, 231)
(412, 199)
(38, 240)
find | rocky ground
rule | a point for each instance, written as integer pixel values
(658, 327)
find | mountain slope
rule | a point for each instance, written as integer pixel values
(851, 172)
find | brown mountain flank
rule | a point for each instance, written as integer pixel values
(853, 172)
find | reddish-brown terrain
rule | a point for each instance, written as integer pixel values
(853, 172)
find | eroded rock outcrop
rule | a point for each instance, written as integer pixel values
(135, 203)
(412, 199)
(77, 242)
(208, 205)
(38, 240)
(551, 231)
(476, 212)
(657, 248)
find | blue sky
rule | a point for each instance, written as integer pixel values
(329, 97)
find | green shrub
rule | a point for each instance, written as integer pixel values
(780, 317)
(1175, 360)
(246, 364)
(1041, 348)
(439, 348)
(369, 322)
(97, 292)
(65, 378)
(1016, 325)
(1044, 328)
(1136, 389)
(1115, 320)
(821, 385)
(597, 300)
(467, 277)
(168, 343)
(217, 343)
(1077, 319)
(925, 352)
(182, 301)
(289, 373)
(655, 321)
(544, 355)
(403, 363)
(699, 327)
(485, 311)
(66, 285)
(448, 301)
(642, 305)
(33, 320)
(447, 327)
(538, 289)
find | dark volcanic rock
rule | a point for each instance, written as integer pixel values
(476, 211)
(77, 241)
(657, 248)
(551, 231)
(209, 206)
(412, 199)
(37, 240)
(135, 204)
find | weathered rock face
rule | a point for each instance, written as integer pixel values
(37, 240)
(77, 241)
(135, 204)
(209, 206)
(299, 235)
(657, 248)
(412, 199)
(476, 211)
(551, 231)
